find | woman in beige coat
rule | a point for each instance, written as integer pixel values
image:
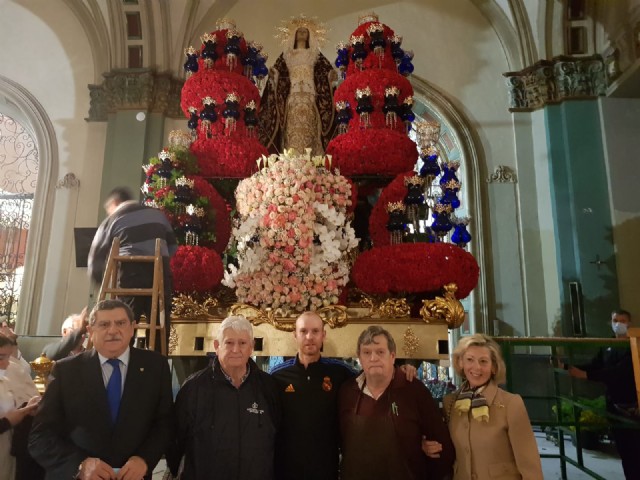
(489, 427)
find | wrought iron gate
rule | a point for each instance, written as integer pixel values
(18, 177)
(15, 217)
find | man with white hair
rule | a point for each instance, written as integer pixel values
(74, 331)
(227, 414)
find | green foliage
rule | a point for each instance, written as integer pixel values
(591, 413)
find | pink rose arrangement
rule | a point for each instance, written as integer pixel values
(294, 235)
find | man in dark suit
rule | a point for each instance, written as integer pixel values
(96, 422)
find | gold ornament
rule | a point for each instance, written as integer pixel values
(231, 97)
(388, 308)
(368, 17)
(411, 342)
(42, 366)
(395, 207)
(428, 133)
(180, 138)
(174, 340)
(447, 308)
(225, 24)
(363, 92)
(375, 27)
(208, 37)
(334, 315)
(185, 306)
(357, 39)
(415, 180)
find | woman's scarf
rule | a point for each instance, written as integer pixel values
(472, 399)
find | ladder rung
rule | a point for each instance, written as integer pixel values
(134, 258)
(130, 291)
(146, 326)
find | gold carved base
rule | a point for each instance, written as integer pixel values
(195, 326)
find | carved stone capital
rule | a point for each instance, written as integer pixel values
(135, 89)
(554, 81)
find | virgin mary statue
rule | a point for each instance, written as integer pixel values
(297, 102)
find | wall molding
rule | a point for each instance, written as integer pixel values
(554, 81)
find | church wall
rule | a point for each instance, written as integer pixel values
(51, 59)
(537, 243)
(620, 120)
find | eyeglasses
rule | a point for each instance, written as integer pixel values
(104, 325)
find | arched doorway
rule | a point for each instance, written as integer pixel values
(21, 106)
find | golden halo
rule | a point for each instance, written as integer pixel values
(289, 27)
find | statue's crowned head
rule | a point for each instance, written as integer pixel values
(302, 32)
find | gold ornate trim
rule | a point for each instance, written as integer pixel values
(447, 308)
(411, 342)
(389, 308)
(334, 315)
(174, 340)
(185, 306)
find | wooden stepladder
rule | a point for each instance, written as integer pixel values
(110, 288)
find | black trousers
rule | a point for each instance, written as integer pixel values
(627, 442)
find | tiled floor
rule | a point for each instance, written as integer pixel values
(605, 464)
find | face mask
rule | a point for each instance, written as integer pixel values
(619, 328)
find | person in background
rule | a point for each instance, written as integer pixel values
(16, 354)
(107, 412)
(74, 330)
(613, 366)
(227, 414)
(137, 226)
(18, 399)
(384, 419)
(489, 427)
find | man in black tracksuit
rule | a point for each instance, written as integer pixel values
(309, 441)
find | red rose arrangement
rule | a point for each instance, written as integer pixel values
(373, 152)
(375, 141)
(230, 157)
(196, 269)
(221, 63)
(217, 212)
(217, 84)
(394, 192)
(377, 81)
(372, 61)
(415, 268)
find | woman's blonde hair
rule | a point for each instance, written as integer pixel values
(498, 368)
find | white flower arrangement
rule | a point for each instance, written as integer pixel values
(294, 235)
